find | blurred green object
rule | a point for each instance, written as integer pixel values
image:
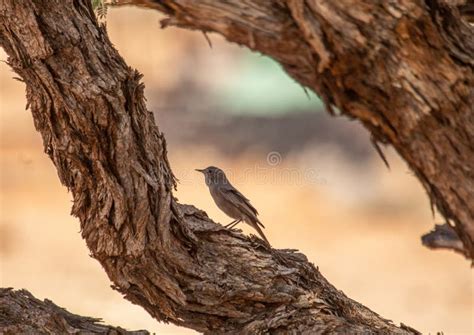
(97, 3)
(260, 86)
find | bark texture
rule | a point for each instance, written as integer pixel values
(172, 259)
(22, 313)
(405, 69)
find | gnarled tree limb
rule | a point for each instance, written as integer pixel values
(405, 69)
(172, 259)
(22, 313)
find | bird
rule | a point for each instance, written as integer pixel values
(231, 201)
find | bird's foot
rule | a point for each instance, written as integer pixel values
(230, 225)
(233, 224)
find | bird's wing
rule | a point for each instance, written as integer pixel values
(238, 200)
(239, 195)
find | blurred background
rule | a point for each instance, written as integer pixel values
(316, 180)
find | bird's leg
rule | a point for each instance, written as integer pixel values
(235, 224)
(230, 224)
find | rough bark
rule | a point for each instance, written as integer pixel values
(405, 69)
(22, 313)
(465, 7)
(172, 259)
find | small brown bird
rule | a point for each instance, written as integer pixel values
(230, 201)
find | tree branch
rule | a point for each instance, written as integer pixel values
(443, 237)
(22, 313)
(172, 259)
(405, 70)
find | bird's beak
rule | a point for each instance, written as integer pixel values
(198, 170)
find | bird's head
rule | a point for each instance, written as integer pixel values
(213, 175)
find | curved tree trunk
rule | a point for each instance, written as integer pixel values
(172, 259)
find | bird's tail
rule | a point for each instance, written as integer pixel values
(255, 225)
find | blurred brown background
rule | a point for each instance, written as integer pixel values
(316, 181)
